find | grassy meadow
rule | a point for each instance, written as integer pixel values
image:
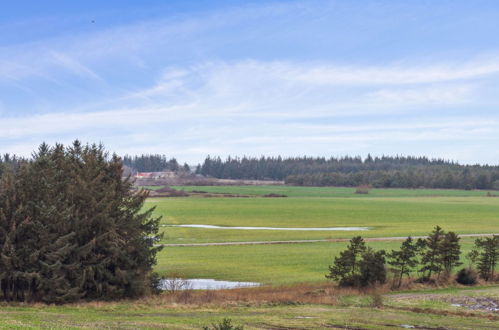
(294, 191)
(389, 212)
(298, 295)
(275, 264)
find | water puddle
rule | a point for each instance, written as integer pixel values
(176, 284)
(274, 228)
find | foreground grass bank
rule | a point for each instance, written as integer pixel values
(396, 310)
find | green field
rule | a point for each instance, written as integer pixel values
(387, 216)
(390, 213)
(274, 264)
(293, 191)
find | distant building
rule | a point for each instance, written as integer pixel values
(144, 175)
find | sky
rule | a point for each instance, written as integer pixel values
(195, 78)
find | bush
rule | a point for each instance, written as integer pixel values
(363, 190)
(376, 300)
(226, 324)
(466, 276)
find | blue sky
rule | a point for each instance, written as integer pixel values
(192, 78)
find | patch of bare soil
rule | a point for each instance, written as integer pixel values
(474, 303)
(196, 180)
(275, 195)
(483, 304)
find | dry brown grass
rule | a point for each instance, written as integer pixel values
(326, 294)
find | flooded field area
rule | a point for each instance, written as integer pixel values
(274, 228)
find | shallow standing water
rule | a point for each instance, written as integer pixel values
(206, 284)
(274, 228)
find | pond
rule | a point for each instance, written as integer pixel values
(275, 228)
(175, 284)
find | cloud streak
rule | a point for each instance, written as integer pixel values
(193, 85)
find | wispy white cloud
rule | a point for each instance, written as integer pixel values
(255, 103)
(154, 100)
(73, 65)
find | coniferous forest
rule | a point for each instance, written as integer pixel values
(379, 172)
(151, 163)
(71, 228)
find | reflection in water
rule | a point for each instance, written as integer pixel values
(202, 284)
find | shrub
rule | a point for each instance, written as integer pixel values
(376, 300)
(466, 276)
(226, 324)
(363, 190)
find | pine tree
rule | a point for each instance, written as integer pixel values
(345, 268)
(489, 256)
(404, 260)
(449, 252)
(430, 253)
(372, 267)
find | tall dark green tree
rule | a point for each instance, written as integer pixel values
(71, 228)
(430, 253)
(403, 260)
(488, 258)
(345, 268)
(450, 252)
(372, 267)
(358, 265)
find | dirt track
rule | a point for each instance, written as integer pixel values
(367, 239)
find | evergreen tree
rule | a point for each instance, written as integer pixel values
(404, 260)
(489, 256)
(345, 268)
(450, 252)
(472, 257)
(71, 228)
(358, 265)
(372, 267)
(430, 253)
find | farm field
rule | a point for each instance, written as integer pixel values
(274, 264)
(397, 213)
(386, 216)
(295, 191)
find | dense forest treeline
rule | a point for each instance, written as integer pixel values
(385, 171)
(379, 172)
(151, 163)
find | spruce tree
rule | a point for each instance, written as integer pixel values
(71, 228)
(345, 268)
